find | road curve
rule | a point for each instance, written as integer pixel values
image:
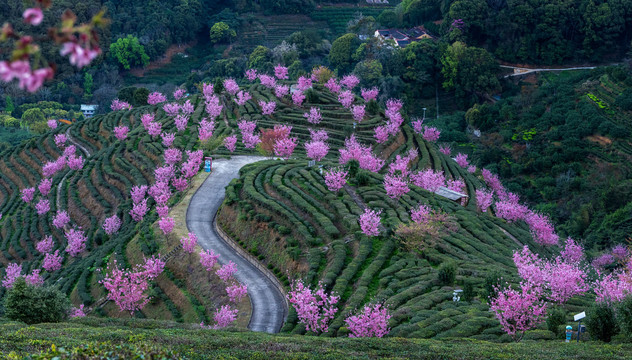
(268, 304)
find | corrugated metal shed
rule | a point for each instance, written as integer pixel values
(450, 194)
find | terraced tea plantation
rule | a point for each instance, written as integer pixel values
(282, 212)
(100, 190)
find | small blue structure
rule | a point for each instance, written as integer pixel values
(208, 163)
(569, 333)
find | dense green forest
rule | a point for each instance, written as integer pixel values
(563, 143)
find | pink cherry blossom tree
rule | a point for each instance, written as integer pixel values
(431, 134)
(285, 147)
(395, 186)
(162, 211)
(180, 183)
(421, 214)
(335, 179)
(127, 288)
(483, 199)
(358, 112)
(304, 83)
(267, 108)
(369, 94)
(251, 74)
(120, 105)
(281, 90)
(280, 72)
(250, 141)
(381, 134)
(77, 312)
(42, 206)
(153, 267)
(572, 252)
(60, 140)
(167, 139)
(417, 124)
(318, 135)
(267, 80)
(333, 86)
(519, 310)
(28, 194)
(370, 222)
(46, 245)
(205, 131)
(112, 225)
(346, 98)
(137, 193)
(314, 116)
(226, 271)
(172, 156)
(230, 142)
(52, 261)
(461, 160)
(154, 129)
(208, 259)
(298, 97)
(12, 272)
(166, 225)
(224, 316)
(231, 86)
(61, 219)
(372, 321)
(314, 308)
(171, 109)
(428, 179)
(181, 122)
(156, 98)
(120, 132)
(242, 98)
(316, 150)
(236, 292)
(139, 210)
(76, 242)
(350, 81)
(188, 242)
(45, 186)
(34, 279)
(52, 124)
(179, 94)
(445, 149)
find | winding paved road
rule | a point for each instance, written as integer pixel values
(519, 71)
(268, 304)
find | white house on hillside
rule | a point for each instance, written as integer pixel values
(88, 110)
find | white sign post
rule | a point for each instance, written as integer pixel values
(579, 318)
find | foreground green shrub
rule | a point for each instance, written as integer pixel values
(447, 273)
(34, 305)
(557, 318)
(601, 322)
(624, 316)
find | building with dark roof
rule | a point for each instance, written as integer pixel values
(402, 38)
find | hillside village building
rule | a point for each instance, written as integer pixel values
(402, 38)
(89, 110)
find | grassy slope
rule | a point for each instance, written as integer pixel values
(146, 335)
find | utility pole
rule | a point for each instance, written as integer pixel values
(437, 97)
